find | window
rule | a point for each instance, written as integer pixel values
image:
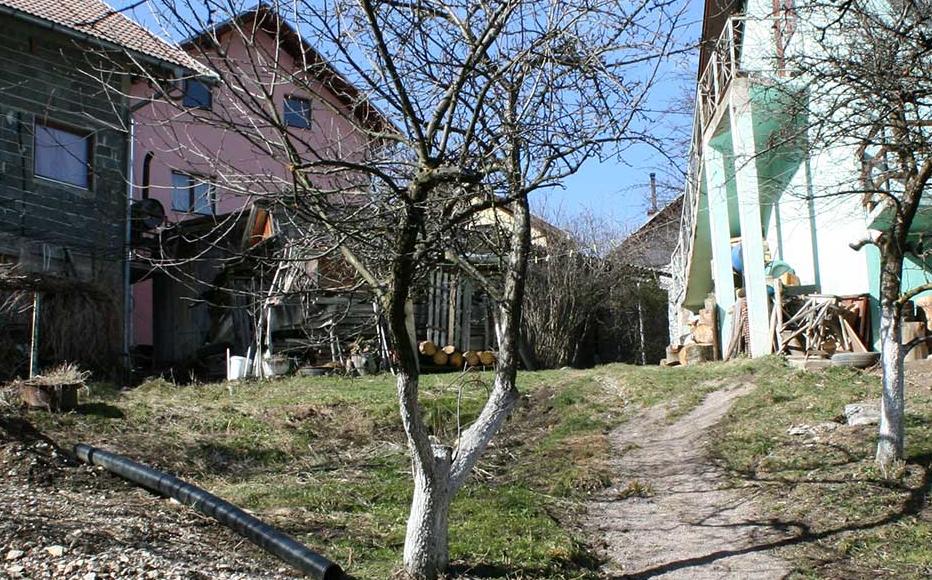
(63, 155)
(297, 112)
(192, 194)
(196, 95)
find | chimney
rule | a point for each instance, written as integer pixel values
(653, 195)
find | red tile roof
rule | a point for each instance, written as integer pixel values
(97, 20)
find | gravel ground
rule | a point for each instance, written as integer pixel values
(59, 519)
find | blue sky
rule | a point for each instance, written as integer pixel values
(616, 192)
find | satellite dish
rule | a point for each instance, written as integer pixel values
(147, 214)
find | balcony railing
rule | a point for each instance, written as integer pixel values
(719, 70)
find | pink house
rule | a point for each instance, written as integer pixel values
(209, 177)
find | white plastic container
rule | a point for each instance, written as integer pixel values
(236, 368)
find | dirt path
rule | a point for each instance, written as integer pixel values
(688, 525)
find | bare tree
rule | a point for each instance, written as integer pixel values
(456, 110)
(863, 86)
(586, 303)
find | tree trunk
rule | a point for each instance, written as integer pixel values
(890, 444)
(426, 552)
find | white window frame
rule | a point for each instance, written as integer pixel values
(190, 204)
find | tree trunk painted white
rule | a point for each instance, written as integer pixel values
(891, 442)
(426, 552)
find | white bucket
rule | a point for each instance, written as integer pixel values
(236, 368)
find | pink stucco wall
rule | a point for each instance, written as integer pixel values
(242, 170)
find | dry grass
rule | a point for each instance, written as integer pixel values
(63, 374)
(636, 488)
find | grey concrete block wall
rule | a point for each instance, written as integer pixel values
(48, 77)
(46, 225)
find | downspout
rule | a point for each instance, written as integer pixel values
(641, 324)
(128, 253)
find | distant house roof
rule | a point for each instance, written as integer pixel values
(292, 41)
(652, 244)
(96, 22)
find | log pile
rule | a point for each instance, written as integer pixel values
(702, 343)
(821, 325)
(449, 356)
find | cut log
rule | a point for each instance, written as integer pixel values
(456, 360)
(711, 307)
(449, 349)
(691, 354)
(440, 358)
(487, 358)
(427, 348)
(471, 357)
(704, 333)
(925, 303)
(913, 330)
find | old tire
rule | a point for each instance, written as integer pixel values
(858, 360)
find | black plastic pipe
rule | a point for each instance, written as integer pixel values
(253, 529)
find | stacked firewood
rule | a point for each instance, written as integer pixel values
(820, 325)
(451, 357)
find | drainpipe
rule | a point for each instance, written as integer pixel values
(128, 252)
(641, 321)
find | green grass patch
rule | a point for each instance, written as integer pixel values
(325, 459)
(854, 521)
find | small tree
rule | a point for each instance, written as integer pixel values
(586, 303)
(459, 109)
(864, 85)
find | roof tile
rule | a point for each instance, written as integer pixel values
(98, 20)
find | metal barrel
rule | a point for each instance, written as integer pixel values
(255, 530)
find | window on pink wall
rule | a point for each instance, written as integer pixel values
(192, 194)
(197, 95)
(297, 112)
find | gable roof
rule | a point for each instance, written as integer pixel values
(292, 41)
(651, 245)
(96, 22)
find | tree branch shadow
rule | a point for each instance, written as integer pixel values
(913, 504)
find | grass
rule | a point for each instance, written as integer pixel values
(324, 458)
(853, 521)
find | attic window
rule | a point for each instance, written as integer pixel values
(297, 112)
(196, 95)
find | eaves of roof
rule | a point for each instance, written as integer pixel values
(94, 22)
